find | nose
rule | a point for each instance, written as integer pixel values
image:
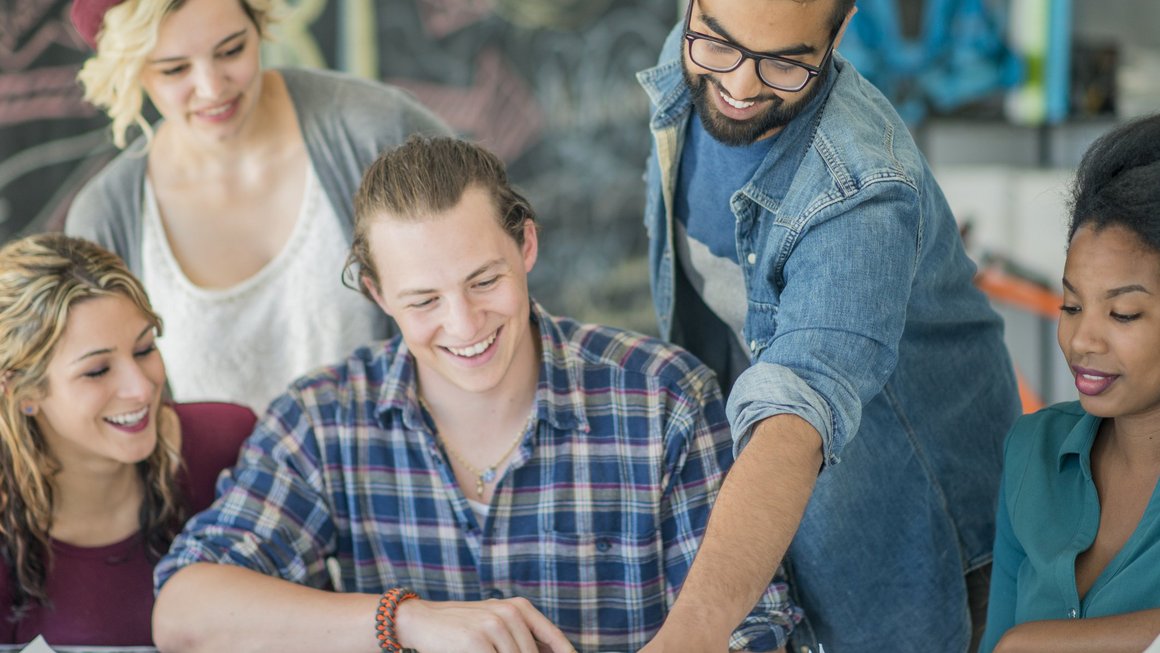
(1082, 334)
(742, 83)
(464, 319)
(135, 384)
(209, 81)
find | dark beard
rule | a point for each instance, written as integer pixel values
(736, 132)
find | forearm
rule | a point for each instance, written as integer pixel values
(755, 516)
(218, 607)
(1129, 633)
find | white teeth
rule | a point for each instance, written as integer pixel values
(474, 350)
(1093, 377)
(736, 104)
(129, 419)
(218, 111)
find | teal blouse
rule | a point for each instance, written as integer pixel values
(1048, 514)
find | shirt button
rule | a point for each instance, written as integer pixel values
(1073, 613)
(494, 594)
(603, 545)
(753, 345)
(752, 258)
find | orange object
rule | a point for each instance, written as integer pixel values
(1020, 293)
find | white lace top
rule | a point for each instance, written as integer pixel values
(246, 343)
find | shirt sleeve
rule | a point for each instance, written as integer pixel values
(270, 514)
(1008, 557)
(698, 454)
(840, 318)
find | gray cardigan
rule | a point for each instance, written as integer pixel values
(345, 121)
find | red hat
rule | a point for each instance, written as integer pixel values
(87, 16)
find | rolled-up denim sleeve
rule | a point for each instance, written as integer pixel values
(842, 308)
(270, 514)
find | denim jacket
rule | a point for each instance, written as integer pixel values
(863, 320)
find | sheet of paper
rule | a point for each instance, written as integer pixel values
(1155, 647)
(37, 645)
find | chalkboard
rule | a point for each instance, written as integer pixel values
(547, 84)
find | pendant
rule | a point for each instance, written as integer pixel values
(488, 475)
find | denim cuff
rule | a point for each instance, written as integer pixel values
(767, 389)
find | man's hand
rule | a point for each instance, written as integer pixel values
(499, 626)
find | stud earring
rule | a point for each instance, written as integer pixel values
(29, 410)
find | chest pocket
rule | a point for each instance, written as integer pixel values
(603, 579)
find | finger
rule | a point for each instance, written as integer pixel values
(545, 632)
(503, 625)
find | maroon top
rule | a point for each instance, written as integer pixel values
(103, 596)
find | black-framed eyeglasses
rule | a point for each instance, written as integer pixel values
(721, 56)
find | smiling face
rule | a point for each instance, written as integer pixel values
(456, 283)
(736, 108)
(204, 75)
(104, 384)
(1109, 329)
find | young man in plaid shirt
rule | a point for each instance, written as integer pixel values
(540, 484)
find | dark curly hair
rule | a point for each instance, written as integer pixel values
(1118, 182)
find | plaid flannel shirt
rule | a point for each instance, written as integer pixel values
(595, 522)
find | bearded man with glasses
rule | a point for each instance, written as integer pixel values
(801, 247)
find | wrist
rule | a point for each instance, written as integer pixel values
(387, 617)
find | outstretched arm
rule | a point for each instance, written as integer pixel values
(752, 523)
(1124, 633)
(219, 607)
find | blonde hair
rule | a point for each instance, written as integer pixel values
(41, 278)
(112, 77)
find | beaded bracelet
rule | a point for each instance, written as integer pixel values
(385, 617)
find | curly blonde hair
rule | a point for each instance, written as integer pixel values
(41, 278)
(112, 77)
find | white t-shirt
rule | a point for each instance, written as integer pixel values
(246, 343)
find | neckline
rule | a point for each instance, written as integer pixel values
(282, 259)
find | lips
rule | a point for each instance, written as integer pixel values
(1092, 382)
(220, 112)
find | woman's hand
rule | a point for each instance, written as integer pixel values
(499, 626)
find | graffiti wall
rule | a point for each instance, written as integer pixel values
(547, 84)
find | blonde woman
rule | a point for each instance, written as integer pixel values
(96, 473)
(235, 210)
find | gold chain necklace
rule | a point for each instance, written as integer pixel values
(489, 474)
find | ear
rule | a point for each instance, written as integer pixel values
(845, 24)
(374, 293)
(531, 247)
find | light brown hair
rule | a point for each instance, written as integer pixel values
(423, 178)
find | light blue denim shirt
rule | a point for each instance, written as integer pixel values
(862, 319)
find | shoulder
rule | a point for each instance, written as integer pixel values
(341, 393)
(642, 360)
(861, 133)
(1036, 440)
(362, 104)
(109, 199)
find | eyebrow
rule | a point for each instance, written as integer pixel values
(220, 43)
(799, 49)
(483, 269)
(109, 350)
(1114, 292)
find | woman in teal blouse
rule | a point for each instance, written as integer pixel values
(1077, 544)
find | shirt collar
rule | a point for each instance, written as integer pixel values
(1078, 443)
